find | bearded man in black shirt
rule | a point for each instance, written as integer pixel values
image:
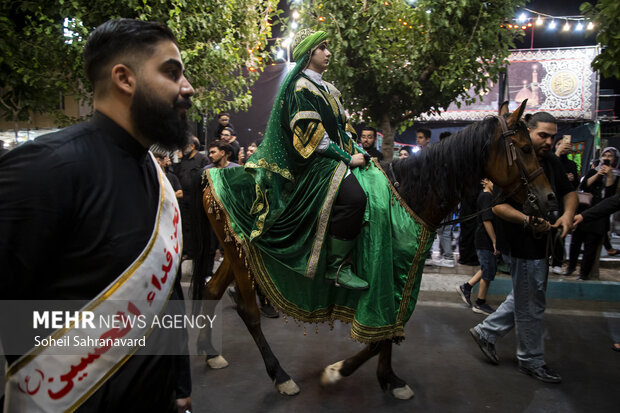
(524, 238)
(85, 214)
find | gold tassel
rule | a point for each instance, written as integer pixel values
(316, 326)
(227, 239)
(210, 210)
(217, 216)
(304, 330)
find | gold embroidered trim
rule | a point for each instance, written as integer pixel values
(262, 163)
(307, 142)
(304, 114)
(323, 220)
(413, 273)
(303, 83)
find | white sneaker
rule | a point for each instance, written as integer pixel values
(558, 270)
(444, 262)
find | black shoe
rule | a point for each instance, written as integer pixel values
(569, 271)
(582, 278)
(487, 348)
(268, 311)
(464, 293)
(542, 373)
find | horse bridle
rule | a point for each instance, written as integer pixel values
(526, 178)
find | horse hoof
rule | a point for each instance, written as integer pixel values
(217, 362)
(289, 387)
(402, 393)
(331, 374)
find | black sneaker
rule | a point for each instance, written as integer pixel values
(464, 293)
(487, 348)
(542, 373)
(483, 308)
(268, 311)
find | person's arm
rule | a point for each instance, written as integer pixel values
(596, 176)
(510, 214)
(488, 227)
(604, 208)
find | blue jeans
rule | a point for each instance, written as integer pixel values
(488, 264)
(445, 241)
(523, 308)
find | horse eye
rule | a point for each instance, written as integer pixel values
(527, 149)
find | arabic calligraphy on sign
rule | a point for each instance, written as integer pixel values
(564, 83)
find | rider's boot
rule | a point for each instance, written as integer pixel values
(338, 268)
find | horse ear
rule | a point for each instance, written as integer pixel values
(517, 113)
(503, 109)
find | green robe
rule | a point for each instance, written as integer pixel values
(277, 211)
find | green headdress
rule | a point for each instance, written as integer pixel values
(306, 41)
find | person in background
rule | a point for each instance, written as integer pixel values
(368, 139)
(164, 162)
(403, 153)
(486, 248)
(223, 121)
(602, 182)
(423, 137)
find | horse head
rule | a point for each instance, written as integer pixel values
(512, 164)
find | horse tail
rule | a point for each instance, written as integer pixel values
(202, 238)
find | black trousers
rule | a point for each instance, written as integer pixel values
(590, 242)
(348, 210)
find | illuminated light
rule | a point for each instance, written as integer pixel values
(579, 27)
(294, 25)
(295, 14)
(510, 26)
(411, 27)
(250, 50)
(252, 69)
(523, 27)
(321, 18)
(552, 25)
(539, 21)
(522, 18)
(529, 24)
(428, 11)
(400, 20)
(566, 27)
(590, 26)
(280, 54)
(286, 42)
(386, 3)
(404, 23)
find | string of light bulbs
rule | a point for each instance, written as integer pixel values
(524, 21)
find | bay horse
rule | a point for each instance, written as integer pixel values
(431, 183)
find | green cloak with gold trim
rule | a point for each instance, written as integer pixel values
(277, 210)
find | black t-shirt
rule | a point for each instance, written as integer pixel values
(513, 238)
(76, 208)
(174, 181)
(570, 167)
(482, 241)
(374, 153)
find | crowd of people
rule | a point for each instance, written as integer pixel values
(140, 98)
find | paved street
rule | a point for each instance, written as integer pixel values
(438, 359)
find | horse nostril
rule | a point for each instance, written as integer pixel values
(551, 197)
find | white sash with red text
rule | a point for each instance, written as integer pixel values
(43, 381)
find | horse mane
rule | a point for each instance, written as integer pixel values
(449, 169)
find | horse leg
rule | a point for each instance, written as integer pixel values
(387, 379)
(250, 314)
(212, 292)
(335, 372)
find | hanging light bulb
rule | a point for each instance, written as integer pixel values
(522, 18)
(294, 25)
(552, 25)
(566, 27)
(295, 14)
(539, 21)
(579, 27)
(590, 26)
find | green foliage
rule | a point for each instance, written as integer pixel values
(606, 17)
(393, 62)
(219, 40)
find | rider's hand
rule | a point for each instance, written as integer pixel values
(357, 160)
